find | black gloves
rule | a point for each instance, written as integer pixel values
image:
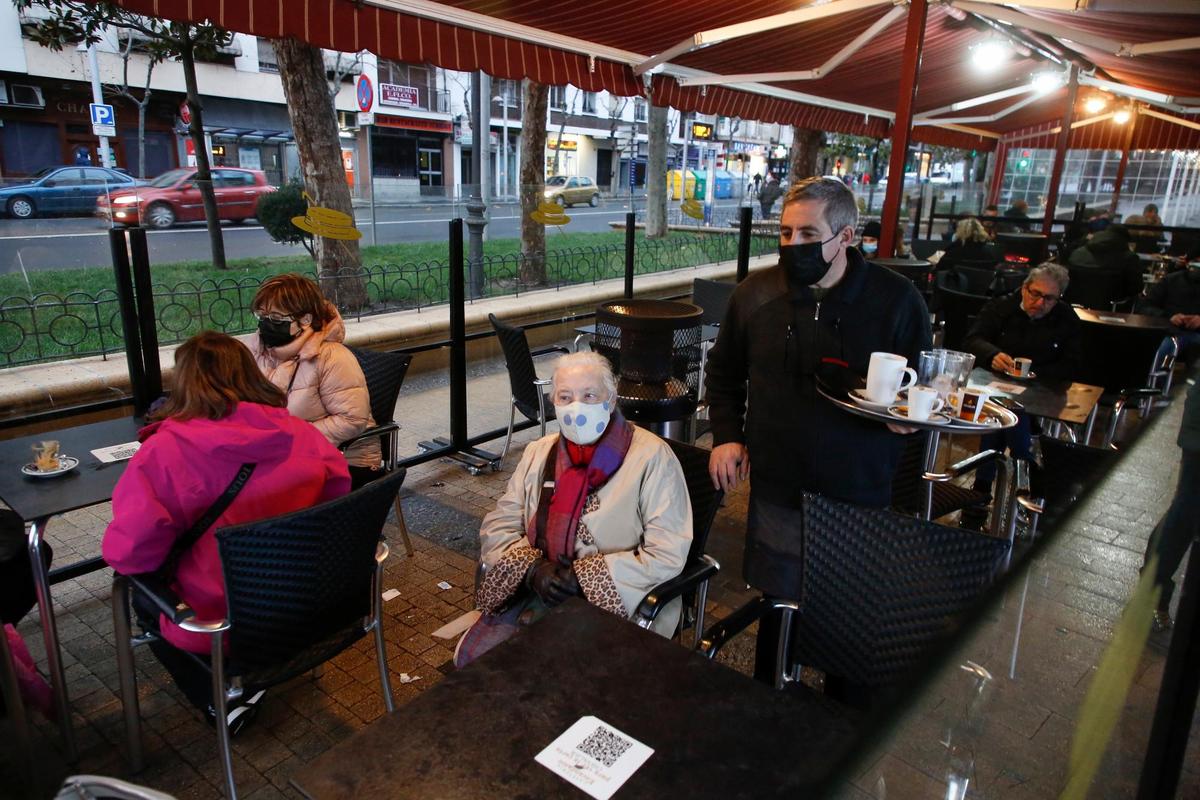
(553, 583)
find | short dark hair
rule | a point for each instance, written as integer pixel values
(213, 373)
(295, 295)
(839, 208)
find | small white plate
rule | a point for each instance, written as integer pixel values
(859, 398)
(1016, 376)
(936, 418)
(65, 465)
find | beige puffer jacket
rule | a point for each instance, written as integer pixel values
(327, 388)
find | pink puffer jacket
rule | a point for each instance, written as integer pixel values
(325, 386)
(183, 467)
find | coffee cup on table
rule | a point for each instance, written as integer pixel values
(1023, 366)
(922, 403)
(885, 377)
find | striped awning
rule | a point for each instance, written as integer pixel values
(593, 44)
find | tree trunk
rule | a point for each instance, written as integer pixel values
(806, 147)
(314, 124)
(533, 181)
(656, 173)
(203, 171)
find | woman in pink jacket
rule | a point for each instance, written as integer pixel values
(297, 346)
(222, 414)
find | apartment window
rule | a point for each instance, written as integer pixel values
(509, 91)
(639, 109)
(589, 102)
(558, 98)
(267, 61)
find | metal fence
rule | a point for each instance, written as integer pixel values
(47, 327)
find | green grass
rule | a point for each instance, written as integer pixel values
(72, 313)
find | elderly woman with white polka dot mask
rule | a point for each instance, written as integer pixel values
(599, 510)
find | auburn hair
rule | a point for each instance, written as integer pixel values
(213, 373)
(294, 295)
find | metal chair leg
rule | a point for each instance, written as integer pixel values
(701, 601)
(512, 420)
(408, 548)
(58, 678)
(126, 672)
(221, 706)
(385, 683)
(784, 647)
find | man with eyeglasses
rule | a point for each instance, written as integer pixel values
(1032, 323)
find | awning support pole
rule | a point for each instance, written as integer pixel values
(910, 65)
(1060, 150)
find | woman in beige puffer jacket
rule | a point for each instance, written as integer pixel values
(298, 348)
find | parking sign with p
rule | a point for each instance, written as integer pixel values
(104, 120)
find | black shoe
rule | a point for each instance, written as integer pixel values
(237, 719)
(973, 518)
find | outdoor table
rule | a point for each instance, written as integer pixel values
(36, 500)
(1122, 320)
(708, 333)
(714, 733)
(1065, 401)
(903, 263)
(1119, 348)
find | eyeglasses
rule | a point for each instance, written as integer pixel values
(1034, 294)
(273, 317)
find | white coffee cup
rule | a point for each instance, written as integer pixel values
(885, 377)
(1024, 366)
(922, 402)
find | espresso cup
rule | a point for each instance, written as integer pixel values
(1024, 366)
(969, 403)
(922, 402)
(885, 377)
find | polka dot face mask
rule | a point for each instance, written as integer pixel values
(583, 423)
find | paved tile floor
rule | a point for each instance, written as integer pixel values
(1016, 748)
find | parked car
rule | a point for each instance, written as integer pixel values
(568, 191)
(175, 196)
(62, 190)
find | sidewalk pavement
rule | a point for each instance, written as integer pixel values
(1021, 744)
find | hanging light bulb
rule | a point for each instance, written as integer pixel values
(1046, 82)
(1122, 116)
(1094, 104)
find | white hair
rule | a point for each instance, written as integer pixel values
(587, 359)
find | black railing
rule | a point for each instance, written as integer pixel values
(46, 327)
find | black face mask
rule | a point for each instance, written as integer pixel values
(275, 334)
(805, 264)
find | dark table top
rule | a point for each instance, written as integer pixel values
(1121, 319)
(910, 263)
(1062, 400)
(1019, 235)
(714, 733)
(708, 333)
(35, 498)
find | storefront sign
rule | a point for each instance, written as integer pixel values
(414, 124)
(701, 130)
(400, 96)
(552, 143)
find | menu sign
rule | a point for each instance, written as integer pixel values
(401, 96)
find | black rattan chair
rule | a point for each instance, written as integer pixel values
(692, 583)
(385, 375)
(878, 588)
(910, 483)
(300, 588)
(958, 310)
(524, 384)
(713, 298)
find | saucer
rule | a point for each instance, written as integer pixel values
(65, 465)
(859, 398)
(936, 418)
(987, 419)
(1018, 377)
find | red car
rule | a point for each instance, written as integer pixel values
(174, 197)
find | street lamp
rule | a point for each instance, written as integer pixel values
(503, 143)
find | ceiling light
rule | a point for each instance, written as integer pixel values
(990, 54)
(1094, 104)
(1122, 116)
(1046, 81)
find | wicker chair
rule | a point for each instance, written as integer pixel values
(524, 384)
(878, 589)
(385, 375)
(692, 583)
(300, 588)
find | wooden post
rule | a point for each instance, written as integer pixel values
(910, 65)
(1060, 150)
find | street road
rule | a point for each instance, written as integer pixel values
(71, 242)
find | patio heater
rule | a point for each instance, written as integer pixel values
(654, 348)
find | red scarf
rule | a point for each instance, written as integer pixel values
(579, 470)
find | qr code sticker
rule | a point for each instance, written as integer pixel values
(121, 455)
(604, 746)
